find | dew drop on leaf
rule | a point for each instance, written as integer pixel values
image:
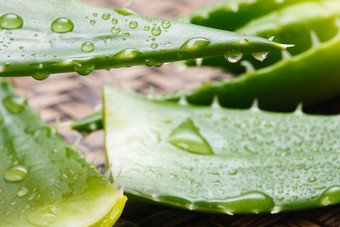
(260, 56)
(156, 31)
(166, 24)
(154, 45)
(43, 216)
(62, 25)
(234, 59)
(128, 53)
(13, 104)
(41, 75)
(22, 191)
(87, 47)
(106, 16)
(15, 174)
(147, 28)
(187, 137)
(194, 43)
(11, 21)
(133, 24)
(115, 30)
(114, 21)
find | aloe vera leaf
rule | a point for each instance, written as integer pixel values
(280, 87)
(49, 37)
(306, 78)
(233, 14)
(295, 22)
(44, 182)
(249, 161)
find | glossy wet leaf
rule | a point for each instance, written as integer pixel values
(43, 181)
(310, 77)
(258, 162)
(293, 23)
(57, 36)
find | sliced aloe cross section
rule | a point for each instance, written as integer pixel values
(221, 160)
(43, 181)
(43, 37)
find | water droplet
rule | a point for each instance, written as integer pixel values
(232, 172)
(1, 191)
(156, 31)
(260, 56)
(62, 25)
(127, 54)
(196, 43)
(146, 28)
(115, 30)
(87, 47)
(133, 24)
(234, 59)
(22, 192)
(84, 68)
(311, 179)
(154, 45)
(43, 216)
(92, 22)
(187, 137)
(11, 21)
(114, 21)
(330, 196)
(41, 75)
(95, 14)
(106, 16)
(14, 104)
(166, 24)
(15, 174)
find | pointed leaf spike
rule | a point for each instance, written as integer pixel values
(271, 38)
(285, 55)
(315, 40)
(151, 92)
(255, 106)
(199, 61)
(248, 65)
(107, 173)
(234, 8)
(116, 180)
(243, 41)
(215, 104)
(299, 109)
(183, 101)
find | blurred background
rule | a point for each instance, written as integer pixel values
(66, 97)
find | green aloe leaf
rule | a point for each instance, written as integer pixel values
(54, 36)
(309, 77)
(44, 181)
(293, 23)
(232, 14)
(221, 160)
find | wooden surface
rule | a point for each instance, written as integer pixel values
(68, 97)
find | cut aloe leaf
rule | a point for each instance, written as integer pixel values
(44, 182)
(221, 160)
(44, 37)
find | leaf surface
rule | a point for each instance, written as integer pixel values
(43, 37)
(221, 160)
(45, 182)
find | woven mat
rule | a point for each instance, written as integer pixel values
(69, 97)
